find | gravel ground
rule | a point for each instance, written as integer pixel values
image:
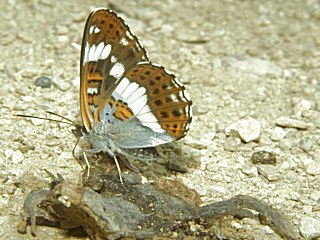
(252, 70)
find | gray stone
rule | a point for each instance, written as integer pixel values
(62, 84)
(293, 123)
(286, 144)
(306, 144)
(231, 144)
(43, 82)
(269, 172)
(52, 142)
(247, 129)
(309, 227)
(264, 157)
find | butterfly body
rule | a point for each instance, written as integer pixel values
(128, 104)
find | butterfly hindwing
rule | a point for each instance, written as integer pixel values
(150, 103)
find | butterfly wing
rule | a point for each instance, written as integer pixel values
(138, 104)
(109, 49)
(152, 105)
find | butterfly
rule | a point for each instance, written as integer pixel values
(128, 104)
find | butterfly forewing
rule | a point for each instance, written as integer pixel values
(109, 49)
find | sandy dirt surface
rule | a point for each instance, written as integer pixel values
(239, 60)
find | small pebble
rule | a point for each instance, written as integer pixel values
(17, 157)
(286, 144)
(301, 105)
(27, 98)
(199, 110)
(278, 134)
(231, 144)
(309, 227)
(177, 166)
(315, 195)
(251, 171)
(293, 123)
(263, 157)
(62, 84)
(43, 82)
(247, 129)
(314, 168)
(316, 207)
(63, 39)
(52, 142)
(305, 144)
(269, 172)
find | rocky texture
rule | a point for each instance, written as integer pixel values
(257, 65)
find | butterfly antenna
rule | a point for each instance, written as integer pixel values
(48, 119)
(67, 119)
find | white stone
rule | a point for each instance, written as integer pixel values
(269, 172)
(63, 39)
(52, 142)
(314, 168)
(309, 227)
(217, 188)
(293, 123)
(301, 105)
(197, 143)
(315, 195)
(250, 170)
(37, 122)
(236, 225)
(247, 129)
(17, 157)
(8, 152)
(285, 143)
(306, 161)
(27, 98)
(232, 143)
(278, 133)
(306, 144)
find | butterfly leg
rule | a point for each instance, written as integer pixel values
(129, 165)
(85, 159)
(88, 166)
(118, 168)
(74, 154)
